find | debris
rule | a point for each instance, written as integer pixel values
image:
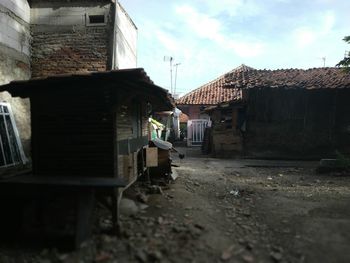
(280, 175)
(155, 189)
(276, 256)
(102, 257)
(128, 207)
(141, 255)
(227, 253)
(269, 178)
(248, 258)
(142, 198)
(174, 174)
(155, 255)
(246, 213)
(235, 192)
(201, 227)
(142, 206)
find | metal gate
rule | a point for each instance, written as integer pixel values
(195, 131)
(11, 151)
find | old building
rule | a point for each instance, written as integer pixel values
(90, 147)
(289, 113)
(70, 66)
(194, 103)
(14, 64)
(43, 38)
(81, 36)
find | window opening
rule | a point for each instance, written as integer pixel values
(11, 152)
(94, 20)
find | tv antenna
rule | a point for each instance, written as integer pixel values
(175, 66)
(170, 59)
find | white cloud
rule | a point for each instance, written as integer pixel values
(247, 49)
(203, 25)
(170, 43)
(206, 27)
(322, 26)
(231, 7)
(328, 22)
(304, 37)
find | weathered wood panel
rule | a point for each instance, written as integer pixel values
(70, 137)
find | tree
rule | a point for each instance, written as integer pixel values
(346, 61)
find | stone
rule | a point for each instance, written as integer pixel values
(141, 255)
(227, 253)
(142, 198)
(155, 255)
(248, 258)
(128, 207)
(103, 257)
(199, 226)
(276, 256)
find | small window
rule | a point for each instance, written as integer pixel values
(11, 151)
(95, 20)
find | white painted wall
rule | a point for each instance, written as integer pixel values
(19, 7)
(126, 40)
(14, 25)
(65, 15)
(14, 59)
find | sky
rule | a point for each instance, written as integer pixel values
(211, 37)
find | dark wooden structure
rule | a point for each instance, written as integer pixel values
(283, 123)
(88, 132)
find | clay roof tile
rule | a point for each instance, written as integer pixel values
(227, 87)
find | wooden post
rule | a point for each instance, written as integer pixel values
(85, 209)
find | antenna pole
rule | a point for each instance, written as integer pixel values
(171, 75)
(176, 65)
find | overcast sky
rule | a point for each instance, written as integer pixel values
(211, 37)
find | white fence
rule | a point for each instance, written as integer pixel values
(195, 131)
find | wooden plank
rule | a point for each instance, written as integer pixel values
(132, 145)
(65, 181)
(84, 220)
(152, 157)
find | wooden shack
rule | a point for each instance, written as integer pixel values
(283, 114)
(88, 132)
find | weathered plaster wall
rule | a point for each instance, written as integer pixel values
(14, 25)
(194, 111)
(15, 60)
(65, 41)
(126, 40)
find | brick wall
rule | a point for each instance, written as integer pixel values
(65, 41)
(71, 50)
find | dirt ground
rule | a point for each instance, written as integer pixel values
(223, 211)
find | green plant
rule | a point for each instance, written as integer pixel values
(341, 160)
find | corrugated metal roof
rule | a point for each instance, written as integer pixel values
(135, 78)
